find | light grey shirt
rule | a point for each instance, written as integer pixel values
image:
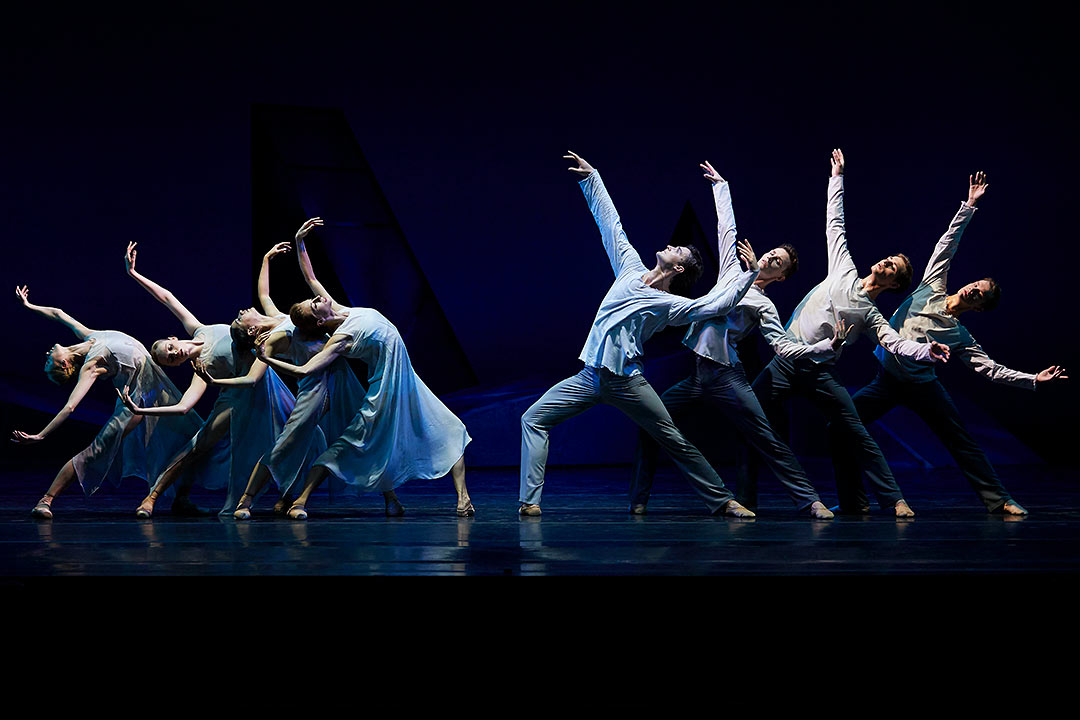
(841, 295)
(716, 337)
(922, 318)
(632, 311)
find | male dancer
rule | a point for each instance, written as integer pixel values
(719, 380)
(842, 296)
(930, 313)
(638, 304)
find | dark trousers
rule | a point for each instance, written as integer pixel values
(931, 402)
(725, 390)
(819, 384)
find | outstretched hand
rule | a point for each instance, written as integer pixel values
(23, 293)
(1054, 372)
(710, 173)
(18, 436)
(939, 352)
(746, 254)
(840, 333)
(125, 396)
(199, 367)
(583, 169)
(281, 247)
(977, 187)
(837, 161)
(307, 227)
(129, 257)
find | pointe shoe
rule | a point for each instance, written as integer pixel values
(529, 510)
(395, 508)
(733, 509)
(467, 511)
(818, 511)
(1013, 508)
(42, 510)
(297, 512)
(144, 511)
(902, 510)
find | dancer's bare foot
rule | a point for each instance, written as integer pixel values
(243, 508)
(902, 510)
(465, 507)
(733, 509)
(297, 512)
(818, 511)
(529, 510)
(1013, 508)
(146, 508)
(43, 510)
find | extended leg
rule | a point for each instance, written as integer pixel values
(676, 399)
(771, 388)
(212, 432)
(464, 504)
(871, 403)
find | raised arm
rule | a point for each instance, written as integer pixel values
(725, 222)
(187, 401)
(835, 232)
(321, 360)
(80, 330)
(937, 269)
(891, 341)
(163, 296)
(268, 305)
(722, 298)
(620, 252)
(89, 372)
(305, 262)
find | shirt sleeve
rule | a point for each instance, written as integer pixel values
(938, 268)
(835, 234)
(719, 301)
(620, 252)
(784, 344)
(891, 340)
(726, 233)
(976, 358)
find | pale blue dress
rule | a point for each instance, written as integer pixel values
(401, 431)
(258, 417)
(148, 449)
(325, 405)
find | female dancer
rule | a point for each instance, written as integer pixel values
(147, 444)
(402, 430)
(252, 417)
(325, 403)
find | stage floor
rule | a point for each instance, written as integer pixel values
(585, 530)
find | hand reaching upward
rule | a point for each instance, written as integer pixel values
(281, 247)
(129, 257)
(977, 187)
(837, 161)
(23, 293)
(307, 227)
(710, 173)
(583, 169)
(746, 254)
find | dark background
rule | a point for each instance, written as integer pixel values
(131, 124)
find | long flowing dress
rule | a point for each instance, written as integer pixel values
(258, 415)
(401, 431)
(325, 405)
(147, 450)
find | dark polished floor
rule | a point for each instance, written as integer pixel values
(585, 530)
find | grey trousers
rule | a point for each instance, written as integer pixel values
(724, 390)
(633, 396)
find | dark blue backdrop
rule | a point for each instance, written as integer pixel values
(126, 126)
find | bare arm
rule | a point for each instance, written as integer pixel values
(187, 402)
(268, 305)
(87, 375)
(163, 296)
(305, 262)
(276, 342)
(80, 330)
(318, 362)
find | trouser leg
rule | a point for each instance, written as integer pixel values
(637, 399)
(871, 403)
(676, 399)
(771, 388)
(733, 394)
(827, 393)
(933, 404)
(568, 398)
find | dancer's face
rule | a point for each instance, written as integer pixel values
(673, 255)
(320, 309)
(974, 294)
(885, 271)
(774, 264)
(172, 352)
(248, 319)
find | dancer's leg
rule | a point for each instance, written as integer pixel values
(209, 436)
(314, 479)
(871, 403)
(772, 387)
(464, 504)
(676, 399)
(568, 398)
